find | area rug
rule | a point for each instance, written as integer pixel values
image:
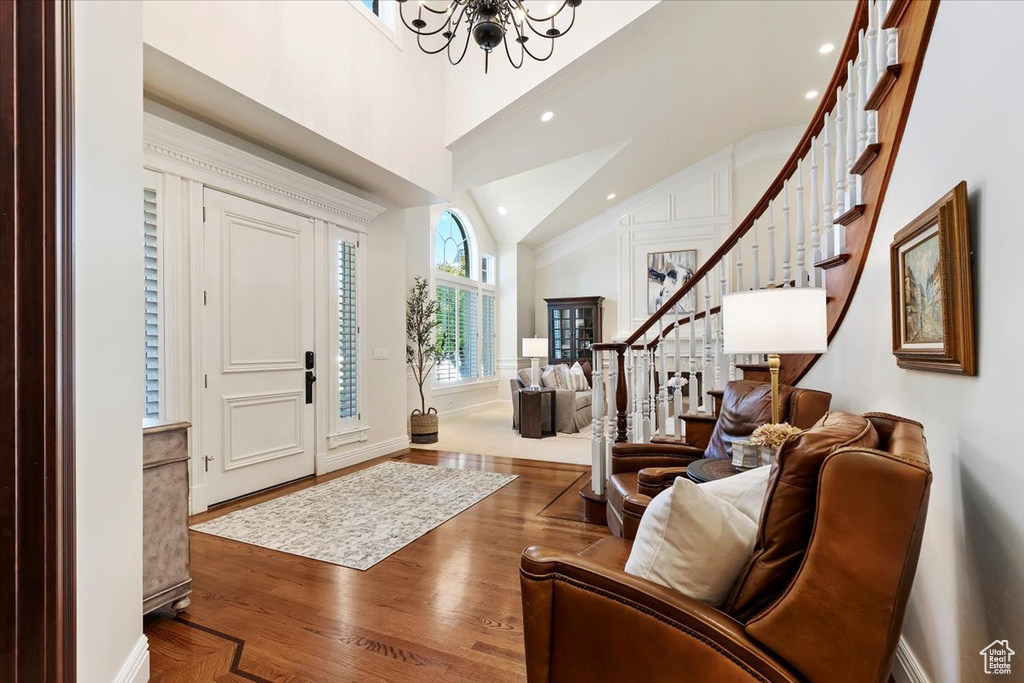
(358, 520)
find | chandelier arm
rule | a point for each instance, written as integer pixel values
(551, 42)
(425, 33)
(464, 49)
(547, 18)
(446, 10)
(448, 42)
(522, 56)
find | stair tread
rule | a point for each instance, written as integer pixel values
(882, 88)
(866, 158)
(837, 260)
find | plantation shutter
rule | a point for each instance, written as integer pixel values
(447, 334)
(152, 295)
(488, 335)
(348, 347)
(469, 367)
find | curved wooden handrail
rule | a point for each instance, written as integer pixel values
(828, 101)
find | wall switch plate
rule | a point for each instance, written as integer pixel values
(381, 354)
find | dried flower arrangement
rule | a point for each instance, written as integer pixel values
(773, 435)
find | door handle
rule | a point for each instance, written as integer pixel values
(310, 378)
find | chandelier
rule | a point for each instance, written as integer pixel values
(488, 22)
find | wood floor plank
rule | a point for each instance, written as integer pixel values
(444, 608)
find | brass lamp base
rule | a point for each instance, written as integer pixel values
(773, 367)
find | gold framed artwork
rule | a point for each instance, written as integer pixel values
(932, 289)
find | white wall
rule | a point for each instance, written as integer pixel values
(108, 338)
(326, 67)
(967, 123)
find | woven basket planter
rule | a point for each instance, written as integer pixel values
(424, 426)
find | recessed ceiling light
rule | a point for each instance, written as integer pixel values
(811, 94)
(547, 116)
(826, 48)
(502, 210)
(610, 197)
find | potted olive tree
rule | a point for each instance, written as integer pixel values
(422, 353)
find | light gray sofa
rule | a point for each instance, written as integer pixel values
(573, 409)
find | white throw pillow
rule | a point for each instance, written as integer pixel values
(549, 377)
(746, 490)
(578, 377)
(692, 541)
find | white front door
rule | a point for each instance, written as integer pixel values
(258, 416)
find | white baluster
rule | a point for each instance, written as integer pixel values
(663, 380)
(815, 206)
(692, 379)
(871, 45)
(862, 97)
(739, 264)
(629, 379)
(677, 397)
(880, 42)
(757, 266)
(852, 193)
(771, 244)
(648, 388)
(612, 411)
(891, 47)
(597, 441)
(837, 238)
(707, 369)
(801, 225)
(826, 190)
(723, 290)
(787, 275)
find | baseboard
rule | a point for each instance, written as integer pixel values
(329, 462)
(475, 408)
(906, 668)
(136, 668)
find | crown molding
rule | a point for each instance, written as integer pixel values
(173, 148)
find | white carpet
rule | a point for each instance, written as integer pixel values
(359, 519)
(489, 432)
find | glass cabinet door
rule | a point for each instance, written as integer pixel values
(583, 321)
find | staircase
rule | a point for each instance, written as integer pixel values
(811, 228)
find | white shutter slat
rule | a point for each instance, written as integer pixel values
(150, 281)
(348, 347)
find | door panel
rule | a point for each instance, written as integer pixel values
(257, 430)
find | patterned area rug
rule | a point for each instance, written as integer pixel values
(358, 520)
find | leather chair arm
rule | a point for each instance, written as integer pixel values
(653, 480)
(634, 505)
(633, 457)
(634, 629)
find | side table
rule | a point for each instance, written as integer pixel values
(531, 412)
(710, 469)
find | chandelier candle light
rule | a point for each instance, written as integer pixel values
(775, 321)
(488, 22)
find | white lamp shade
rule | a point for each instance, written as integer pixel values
(779, 320)
(535, 347)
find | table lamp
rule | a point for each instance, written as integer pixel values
(775, 321)
(535, 348)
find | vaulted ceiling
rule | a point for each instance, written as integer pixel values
(682, 81)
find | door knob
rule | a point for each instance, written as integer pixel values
(207, 459)
(310, 378)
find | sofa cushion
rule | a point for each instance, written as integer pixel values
(692, 541)
(578, 379)
(524, 377)
(582, 399)
(789, 507)
(746, 405)
(588, 371)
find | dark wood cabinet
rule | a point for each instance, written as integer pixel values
(574, 326)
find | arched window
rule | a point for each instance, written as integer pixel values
(451, 246)
(464, 287)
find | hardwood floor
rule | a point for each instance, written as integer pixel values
(444, 608)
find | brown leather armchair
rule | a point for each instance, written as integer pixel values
(831, 612)
(640, 471)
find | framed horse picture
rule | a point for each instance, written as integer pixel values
(667, 271)
(932, 289)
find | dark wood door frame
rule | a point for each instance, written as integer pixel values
(37, 504)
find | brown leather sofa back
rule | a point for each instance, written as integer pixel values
(747, 404)
(839, 618)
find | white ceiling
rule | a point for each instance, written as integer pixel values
(681, 82)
